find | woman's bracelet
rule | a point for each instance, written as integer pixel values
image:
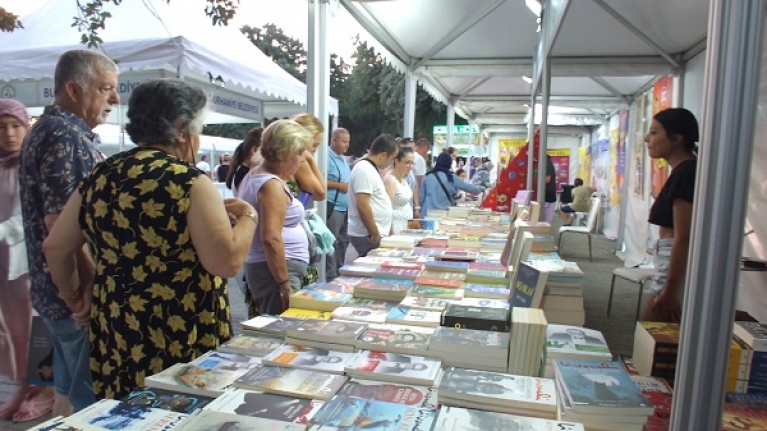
(287, 280)
(76, 294)
(251, 215)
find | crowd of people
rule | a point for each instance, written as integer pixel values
(126, 259)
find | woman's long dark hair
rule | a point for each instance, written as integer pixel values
(244, 150)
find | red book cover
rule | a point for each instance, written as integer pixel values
(439, 282)
(658, 392)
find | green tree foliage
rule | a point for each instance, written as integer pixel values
(284, 50)
(9, 21)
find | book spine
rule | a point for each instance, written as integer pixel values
(473, 323)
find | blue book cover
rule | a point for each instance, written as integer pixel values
(527, 286)
(354, 414)
(444, 265)
(487, 290)
(167, 400)
(600, 387)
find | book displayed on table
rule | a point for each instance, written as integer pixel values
(116, 415)
(225, 361)
(424, 303)
(436, 292)
(394, 367)
(274, 326)
(451, 418)
(484, 302)
(268, 406)
(469, 317)
(292, 382)
(412, 316)
(167, 400)
(308, 358)
(194, 380)
(486, 291)
(655, 349)
(498, 392)
(65, 424)
(395, 339)
(318, 299)
(527, 286)
(251, 344)
(356, 414)
(413, 395)
(212, 420)
(327, 331)
(447, 266)
(595, 387)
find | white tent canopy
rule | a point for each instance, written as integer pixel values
(473, 54)
(149, 39)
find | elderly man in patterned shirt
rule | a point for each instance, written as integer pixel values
(59, 152)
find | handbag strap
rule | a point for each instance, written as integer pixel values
(335, 197)
(444, 189)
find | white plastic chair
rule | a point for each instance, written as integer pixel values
(591, 224)
(635, 275)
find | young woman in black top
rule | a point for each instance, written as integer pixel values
(673, 136)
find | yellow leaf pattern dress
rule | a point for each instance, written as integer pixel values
(154, 304)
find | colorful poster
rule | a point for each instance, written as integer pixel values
(618, 156)
(507, 149)
(662, 98)
(514, 177)
(638, 148)
(584, 159)
(561, 160)
(602, 165)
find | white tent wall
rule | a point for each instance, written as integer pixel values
(752, 294)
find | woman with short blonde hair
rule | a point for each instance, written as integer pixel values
(279, 254)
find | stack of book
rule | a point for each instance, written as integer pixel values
(541, 230)
(394, 339)
(498, 392)
(195, 380)
(244, 402)
(489, 291)
(469, 348)
(601, 395)
(451, 418)
(474, 317)
(315, 298)
(364, 310)
(308, 358)
(271, 326)
(493, 273)
(395, 367)
(383, 289)
(291, 382)
(404, 315)
(400, 241)
(660, 394)
(113, 414)
(562, 300)
(326, 334)
(744, 412)
(574, 342)
(400, 393)
(343, 412)
(655, 349)
(752, 338)
(527, 341)
(251, 344)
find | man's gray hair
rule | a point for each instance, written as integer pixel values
(79, 65)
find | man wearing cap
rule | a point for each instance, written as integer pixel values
(59, 152)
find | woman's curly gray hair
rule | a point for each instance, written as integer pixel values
(160, 109)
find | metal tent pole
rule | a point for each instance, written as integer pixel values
(318, 91)
(545, 94)
(733, 58)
